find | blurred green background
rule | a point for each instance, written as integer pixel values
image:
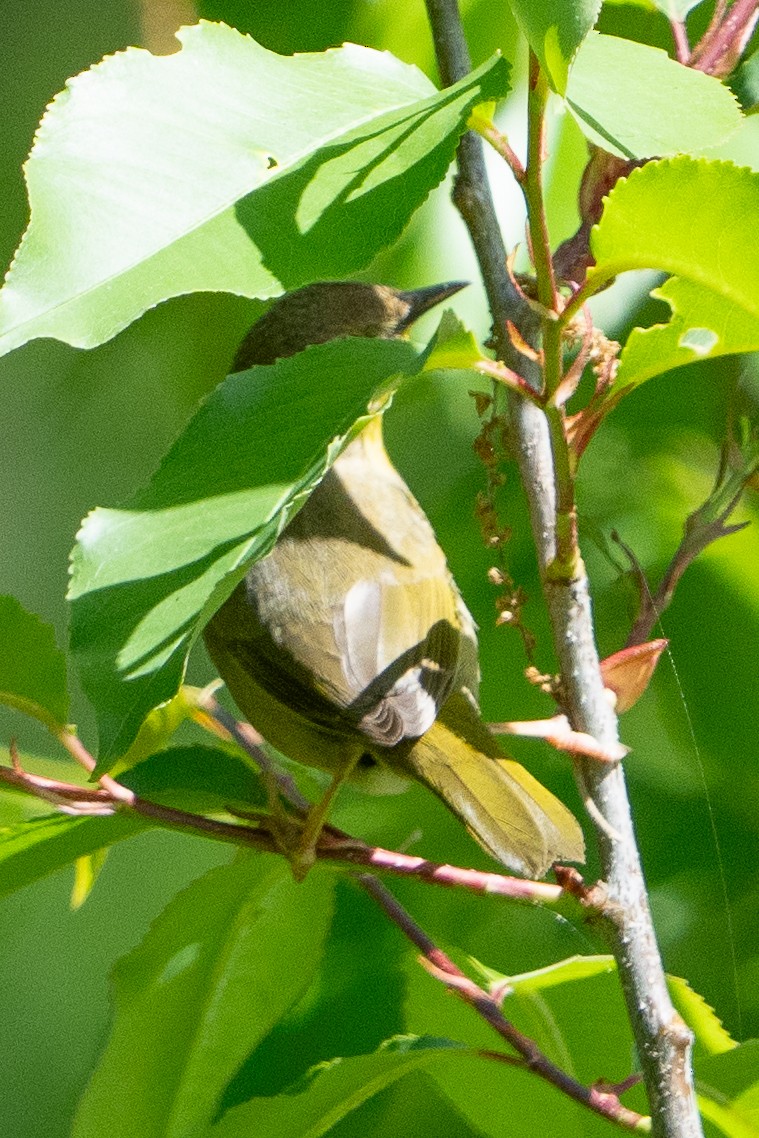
(80, 429)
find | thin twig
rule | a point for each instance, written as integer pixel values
(680, 38)
(501, 145)
(703, 527)
(248, 739)
(721, 46)
(663, 1041)
(334, 846)
(438, 964)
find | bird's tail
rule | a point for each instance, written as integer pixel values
(505, 809)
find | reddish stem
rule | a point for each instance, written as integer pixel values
(439, 965)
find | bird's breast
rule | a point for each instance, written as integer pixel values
(357, 595)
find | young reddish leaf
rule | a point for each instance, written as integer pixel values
(628, 672)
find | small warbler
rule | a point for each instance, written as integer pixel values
(349, 646)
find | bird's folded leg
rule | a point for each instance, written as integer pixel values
(302, 854)
(296, 831)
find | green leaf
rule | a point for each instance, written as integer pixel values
(144, 578)
(87, 869)
(555, 32)
(703, 325)
(158, 728)
(564, 972)
(728, 1090)
(203, 780)
(745, 82)
(452, 347)
(636, 102)
(195, 778)
(224, 167)
(332, 1090)
(32, 667)
(701, 1019)
(693, 218)
(217, 970)
(35, 849)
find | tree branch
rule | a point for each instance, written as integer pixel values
(680, 38)
(334, 845)
(663, 1041)
(722, 44)
(603, 1102)
(739, 463)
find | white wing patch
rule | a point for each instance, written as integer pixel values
(379, 630)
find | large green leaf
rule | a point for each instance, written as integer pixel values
(636, 102)
(333, 1090)
(697, 220)
(703, 324)
(32, 850)
(690, 217)
(728, 1090)
(555, 31)
(142, 576)
(195, 778)
(713, 300)
(217, 970)
(32, 667)
(222, 167)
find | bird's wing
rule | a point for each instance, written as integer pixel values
(399, 644)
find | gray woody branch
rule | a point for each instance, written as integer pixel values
(664, 1042)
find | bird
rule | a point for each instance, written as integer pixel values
(349, 647)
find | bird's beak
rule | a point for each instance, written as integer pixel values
(420, 300)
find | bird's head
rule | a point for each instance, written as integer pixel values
(332, 309)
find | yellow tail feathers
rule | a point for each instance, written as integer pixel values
(505, 809)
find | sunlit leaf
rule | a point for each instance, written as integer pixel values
(703, 325)
(555, 31)
(86, 872)
(222, 167)
(636, 102)
(692, 218)
(702, 1020)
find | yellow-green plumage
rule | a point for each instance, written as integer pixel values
(349, 643)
